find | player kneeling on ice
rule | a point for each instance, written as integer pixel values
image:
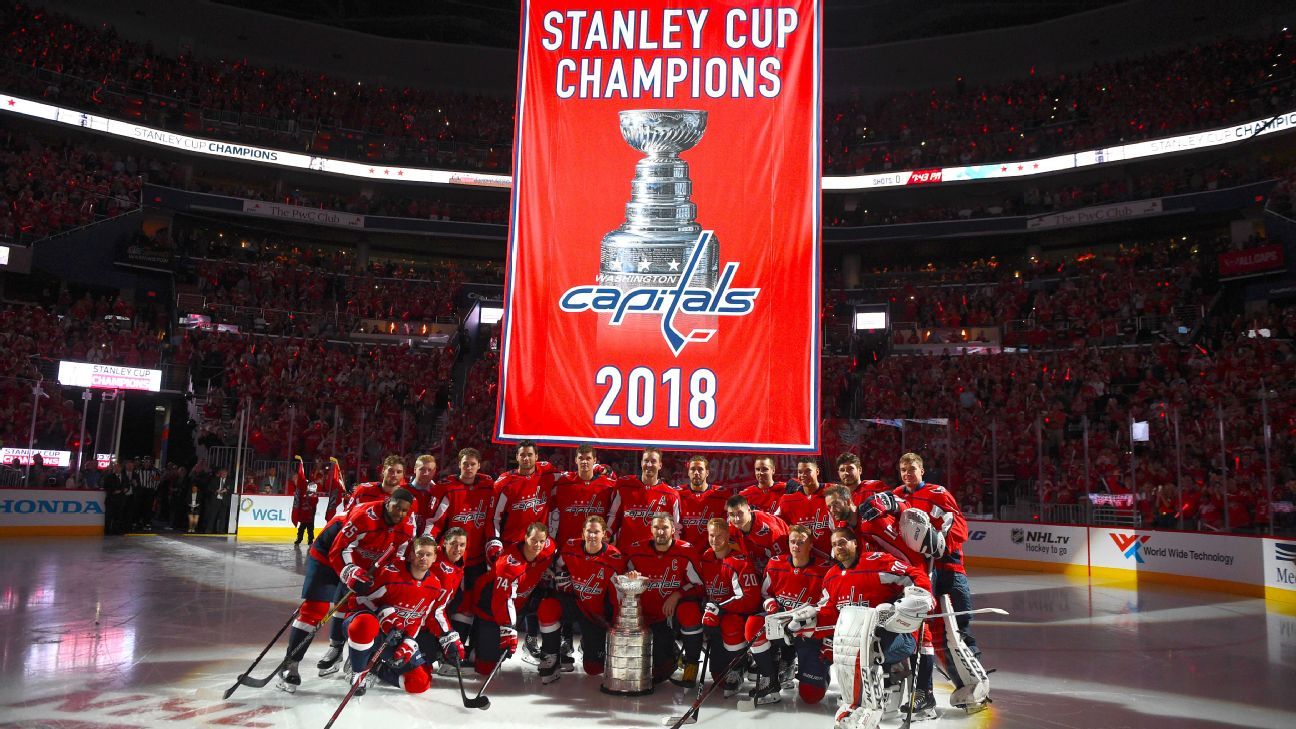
(394, 612)
(792, 581)
(867, 642)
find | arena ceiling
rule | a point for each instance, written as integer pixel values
(495, 22)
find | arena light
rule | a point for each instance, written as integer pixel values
(1283, 122)
(867, 321)
(4, 255)
(491, 314)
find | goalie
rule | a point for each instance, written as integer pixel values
(872, 604)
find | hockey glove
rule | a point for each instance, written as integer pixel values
(508, 640)
(452, 647)
(356, 579)
(826, 651)
(884, 502)
(493, 549)
(711, 615)
(406, 655)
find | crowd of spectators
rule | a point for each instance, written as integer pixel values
(1044, 199)
(51, 186)
(1039, 115)
(61, 60)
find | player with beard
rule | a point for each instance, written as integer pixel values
(341, 558)
(635, 500)
(791, 581)
(760, 535)
(586, 567)
(850, 471)
(393, 476)
(669, 601)
(806, 506)
(900, 595)
(878, 530)
(764, 495)
(699, 503)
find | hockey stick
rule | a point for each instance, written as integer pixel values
(916, 663)
(691, 715)
(294, 652)
(811, 632)
(359, 679)
(491, 677)
(478, 701)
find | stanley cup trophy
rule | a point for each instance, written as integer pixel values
(660, 233)
(628, 664)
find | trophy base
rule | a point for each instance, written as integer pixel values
(627, 692)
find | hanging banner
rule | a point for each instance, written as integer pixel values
(663, 265)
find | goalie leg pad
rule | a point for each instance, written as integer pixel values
(972, 684)
(856, 667)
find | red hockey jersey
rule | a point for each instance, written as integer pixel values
(633, 505)
(667, 572)
(520, 501)
(876, 578)
(573, 501)
(811, 511)
(793, 586)
(456, 504)
(591, 578)
(731, 583)
(697, 508)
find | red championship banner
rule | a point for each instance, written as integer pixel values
(663, 265)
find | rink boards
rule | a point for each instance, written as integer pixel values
(1247, 565)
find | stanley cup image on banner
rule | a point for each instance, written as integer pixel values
(660, 242)
(662, 283)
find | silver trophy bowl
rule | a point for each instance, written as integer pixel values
(660, 232)
(628, 666)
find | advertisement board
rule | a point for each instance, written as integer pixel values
(261, 515)
(1044, 547)
(665, 224)
(51, 512)
(1217, 561)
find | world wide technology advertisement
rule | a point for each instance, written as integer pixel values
(663, 264)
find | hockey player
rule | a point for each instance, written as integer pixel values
(732, 594)
(850, 471)
(425, 469)
(463, 503)
(635, 500)
(791, 581)
(393, 475)
(442, 639)
(930, 522)
(578, 495)
(340, 560)
(505, 591)
(585, 567)
(873, 603)
(805, 505)
(699, 503)
(760, 535)
(876, 530)
(392, 616)
(764, 495)
(669, 601)
(521, 499)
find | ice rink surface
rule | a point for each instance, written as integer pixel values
(148, 631)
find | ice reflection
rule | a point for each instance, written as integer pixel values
(82, 645)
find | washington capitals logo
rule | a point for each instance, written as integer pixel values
(1130, 544)
(669, 302)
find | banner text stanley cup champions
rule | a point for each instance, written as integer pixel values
(663, 264)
